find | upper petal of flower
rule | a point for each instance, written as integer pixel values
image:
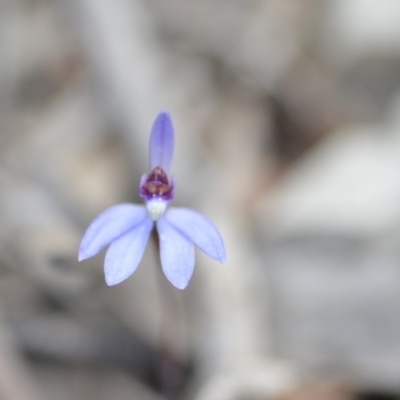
(108, 226)
(125, 254)
(199, 230)
(176, 253)
(161, 142)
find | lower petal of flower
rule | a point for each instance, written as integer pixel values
(176, 253)
(199, 230)
(125, 254)
(108, 226)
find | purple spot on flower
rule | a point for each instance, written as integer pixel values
(156, 185)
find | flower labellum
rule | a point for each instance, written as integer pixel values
(127, 227)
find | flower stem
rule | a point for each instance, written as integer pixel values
(173, 370)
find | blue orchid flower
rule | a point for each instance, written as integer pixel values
(127, 227)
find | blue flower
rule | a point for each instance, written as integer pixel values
(127, 227)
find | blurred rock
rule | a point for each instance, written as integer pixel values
(358, 29)
(331, 252)
(348, 184)
(325, 390)
(240, 34)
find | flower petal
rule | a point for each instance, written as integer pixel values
(176, 253)
(199, 230)
(125, 254)
(161, 142)
(108, 226)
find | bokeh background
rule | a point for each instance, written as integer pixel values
(287, 118)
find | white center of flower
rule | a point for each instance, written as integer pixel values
(156, 208)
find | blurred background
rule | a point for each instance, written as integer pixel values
(287, 118)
